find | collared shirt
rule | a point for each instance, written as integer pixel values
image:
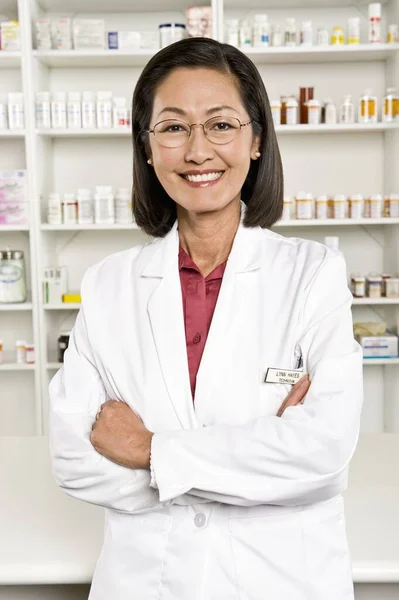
(199, 300)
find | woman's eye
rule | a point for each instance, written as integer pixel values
(173, 128)
(222, 126)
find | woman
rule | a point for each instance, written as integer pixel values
(219, 482)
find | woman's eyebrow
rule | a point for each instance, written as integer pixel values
(182, 112)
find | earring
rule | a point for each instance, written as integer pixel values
(257, 154)
(149, 161)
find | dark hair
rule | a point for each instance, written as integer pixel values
(153, 209)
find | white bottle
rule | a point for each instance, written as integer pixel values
(120, 113)
(20, 351)
(330, 112)
(69, 209)
(3, 111)
(58, 110)
(232, 32)
(347, 111)
(104, 206)
(85, 207)
(245, 34)
(88, 111)
(54, 209)
(74, 112)
(290, 33)
(16, 113)
(43, 110)
(123, 206)
(306, 38)
(375, 22)
(260, 31)
(104, 110)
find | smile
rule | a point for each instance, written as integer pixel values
(203, 180)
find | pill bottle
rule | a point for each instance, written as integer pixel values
(329, 112)
(292, 111)
(85, 206)
(20, 352)
(283, 99)
(332, 241)
(30, 354)
(16, 112)
(355, 202)
(374, 285)
(391, 206)
(88, 110)
(385, 277)
(58, 110)
(3, 111)
(313, 109)
(232, 32)
(354, 30)
(286, 216)
(303, 206)
(321, 207)
(347, 111)
(358, 286)
(277, 37)
(290, 32)
(390, 111)
(120, 113)
(339, 206)
(260, 31)
(1, 351)
(322, 37)
(123, 206)
(74, 110)
(305, 94)
(171, 32)
(393, 35)
(104, 205)
(375, 22)
(275, 105)
(337, 37)
(104, 110)
(69, 209)
(392, 287)
(376, 206)
(368, 108)
(43, 110)
(245, 34)
(54, 209)
(306, 34)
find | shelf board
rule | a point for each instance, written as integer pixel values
(116, 6)
(16, 367)
(64, 306)
(378, 301)
(6, 228)
(17, 306)
(322, 54)
(380, 361)
(91, 227)
(85, 133)
(93, 58)
(10, 60)
(12, 133)
(336, 222)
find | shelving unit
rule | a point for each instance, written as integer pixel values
(319, 159)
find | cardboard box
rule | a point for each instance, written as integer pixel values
(379, 346)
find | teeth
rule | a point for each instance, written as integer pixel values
(206, 177)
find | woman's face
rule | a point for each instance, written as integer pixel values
(194, 96)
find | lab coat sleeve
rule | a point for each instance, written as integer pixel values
(76, 394)
(299, 458)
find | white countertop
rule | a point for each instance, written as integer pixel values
(48, 537)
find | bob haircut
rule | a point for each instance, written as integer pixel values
(263, 190)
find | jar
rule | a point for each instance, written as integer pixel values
(347, 111)
(321, 207)
(277, 36)
(290, 32)
(322, 37)
(393, 35)
(292, 111)
(20, 352)
(305, 94)
(391, 206)
(260, 31)
(306, 35)
(355, 206)
(339, 206)
(104, 206)
(284, 98)
(85, 210)
(275, 105)
(368, 108)
(30, 354)
(63, 342)
(303, 206)
(391, 106)
(123, 206)
(337, 37)
(69, 209)
(74, 110)
(374, 286)
(354, 30)
(232, 32)
(375, 207)
(58, 111)
(385, 277)
(245, 34)
(171, 32)
(286, 216)
(313, 109)
(358, 286)
(392, 287)
(12, 277)
(375, 22)
(43, 110)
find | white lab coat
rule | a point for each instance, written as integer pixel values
(241, 504)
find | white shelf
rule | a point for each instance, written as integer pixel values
(65, 306)
(12, 133)
(116, 6)
(323, 54)
(377, 301)
(16, 367)
(94, 227)
(6, 228)
(335, 222)
(93, 58)
(10, 60)
(17, 306)
(380, 361)
(85, 133)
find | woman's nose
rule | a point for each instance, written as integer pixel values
(198, 147)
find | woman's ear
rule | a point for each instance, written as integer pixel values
(255, 149)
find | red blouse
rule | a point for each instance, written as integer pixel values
(199, 300)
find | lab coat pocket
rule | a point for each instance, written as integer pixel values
(269, 557)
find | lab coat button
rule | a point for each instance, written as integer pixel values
(200, 520)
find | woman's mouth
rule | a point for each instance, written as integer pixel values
(202, 180)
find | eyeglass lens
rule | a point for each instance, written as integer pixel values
(219, 130)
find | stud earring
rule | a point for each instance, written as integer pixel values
(149, 161)
(257, 154)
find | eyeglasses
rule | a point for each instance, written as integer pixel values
(172, 133)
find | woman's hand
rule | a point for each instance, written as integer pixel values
(296, 395)
(120, 435)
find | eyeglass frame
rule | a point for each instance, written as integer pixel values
(195, 124)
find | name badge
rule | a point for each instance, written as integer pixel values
(283, 375)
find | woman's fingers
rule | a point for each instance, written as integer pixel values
(296, 395)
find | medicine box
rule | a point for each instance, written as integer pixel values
(379, 346)
(13, 198)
